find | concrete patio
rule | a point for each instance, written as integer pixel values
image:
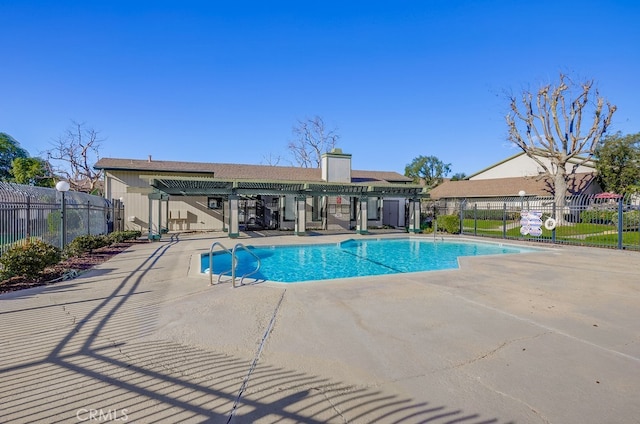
(545, 337)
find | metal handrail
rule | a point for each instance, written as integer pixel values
(234, 262)
(217, 243)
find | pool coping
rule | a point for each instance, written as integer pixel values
(194, 264)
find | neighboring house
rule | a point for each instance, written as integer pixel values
(513, 175)
(521, 165)
(510, 181)
(190, 196)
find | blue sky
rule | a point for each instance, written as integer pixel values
(214, 81)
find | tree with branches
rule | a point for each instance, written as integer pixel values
(32, 171)
(559, 127)
(312, 139)
(73, 155)
(619, 163)
(9, 151)
(427, 169)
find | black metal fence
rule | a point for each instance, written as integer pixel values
(601, 220)
(57, 218)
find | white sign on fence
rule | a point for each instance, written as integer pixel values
(531, 223)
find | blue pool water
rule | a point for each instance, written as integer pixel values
(352, 258)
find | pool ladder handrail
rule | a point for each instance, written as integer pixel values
(234, 263)
(234, 260)
(217, 243)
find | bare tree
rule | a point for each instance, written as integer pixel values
(271, 160)
(312, 139)
(73, 156)
(549, 125)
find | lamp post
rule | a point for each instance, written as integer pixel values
(521, 193)
(62, 187)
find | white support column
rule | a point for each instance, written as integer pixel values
(234, 226)
(159, 217)
(156, 234)
(363, 216)
(414, 216)
(301, 216)
(150, 224)
(166, 214)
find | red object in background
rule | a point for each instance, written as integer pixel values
(607, 195)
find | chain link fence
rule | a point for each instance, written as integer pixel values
(28, 212)
(601, 220)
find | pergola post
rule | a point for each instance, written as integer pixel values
(166, 215)
(362, 216)
(234, 226)
(150, 225)
(160, 217)
(301, 216)
(160, 197)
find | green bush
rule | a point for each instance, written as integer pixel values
(598, 216)
(87, 243)
(449, 223)
(122, 236)
(630, 220)
(29, 259)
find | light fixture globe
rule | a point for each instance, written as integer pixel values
(521, 193)
(63, 186)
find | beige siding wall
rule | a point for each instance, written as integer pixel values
(520, 166)
(193, 214)
(184, 213)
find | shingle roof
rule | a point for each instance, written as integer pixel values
(508, 187)
(243, 171)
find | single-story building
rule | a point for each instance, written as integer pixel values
(163, 195)
(511, 181)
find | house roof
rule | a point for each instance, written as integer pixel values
(588, 163)
(230, 171)
(498, 187)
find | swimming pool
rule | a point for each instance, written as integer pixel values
(353, 258)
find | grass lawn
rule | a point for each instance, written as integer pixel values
(581, 233)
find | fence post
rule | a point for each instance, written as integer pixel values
(88, 217)
(620, 226)
(504, 220)
(462, 204)
(111, 216)
(475, 219)
(121, 215)
(28, 219)
(553, 232)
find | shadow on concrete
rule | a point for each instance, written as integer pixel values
(87, 361)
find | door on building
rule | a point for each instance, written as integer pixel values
(390, 215)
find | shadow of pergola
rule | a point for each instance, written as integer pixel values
(88, 360)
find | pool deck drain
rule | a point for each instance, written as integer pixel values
(545, 337)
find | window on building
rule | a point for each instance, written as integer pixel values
(215, 202)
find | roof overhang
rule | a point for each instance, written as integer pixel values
(189, 186)
(203, 186)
